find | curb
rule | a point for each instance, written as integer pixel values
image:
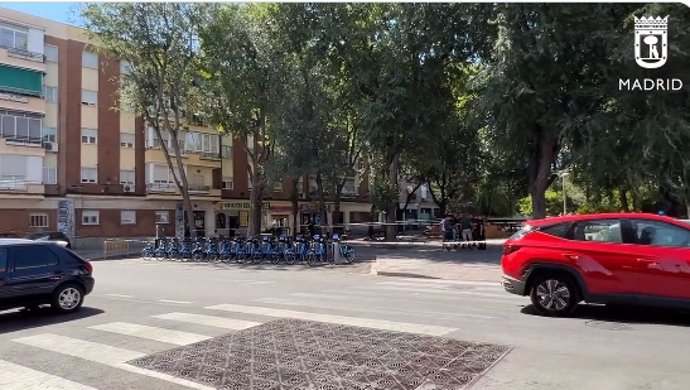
(406, 275)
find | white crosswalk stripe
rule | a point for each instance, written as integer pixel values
(353, 321)
(219, 322)
(496, 295)
(99, 353)
(17, 377)
(151, 332)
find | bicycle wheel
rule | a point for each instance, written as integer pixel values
(290, 258)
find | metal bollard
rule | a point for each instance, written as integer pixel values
(336, 252)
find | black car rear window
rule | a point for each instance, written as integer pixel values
(558, 230)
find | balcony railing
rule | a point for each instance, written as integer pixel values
(23, 53)
(209, 156)
(13, 183)
(24, 140)
(171, 188)
(161, 187)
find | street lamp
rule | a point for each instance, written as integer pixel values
(563, 175)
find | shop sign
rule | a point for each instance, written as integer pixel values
(242, 206)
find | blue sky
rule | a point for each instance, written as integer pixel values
(60, 12)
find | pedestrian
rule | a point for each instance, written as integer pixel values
(482, 234)
(466, 226)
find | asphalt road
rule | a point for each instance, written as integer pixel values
(139, 308)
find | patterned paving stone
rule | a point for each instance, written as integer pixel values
(306, 355)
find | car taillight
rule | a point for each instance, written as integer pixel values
(88, 266)
(508, 249)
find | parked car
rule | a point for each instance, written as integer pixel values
(618, 258)
(36, 272)
(9, 235)
(51, 236)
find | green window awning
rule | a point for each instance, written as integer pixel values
(24, 81)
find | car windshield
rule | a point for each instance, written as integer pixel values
(35, 236)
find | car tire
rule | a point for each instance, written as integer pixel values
(555, 294)
(67, 298)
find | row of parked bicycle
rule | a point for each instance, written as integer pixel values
(276, 250)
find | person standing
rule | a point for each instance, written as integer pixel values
(466, 226)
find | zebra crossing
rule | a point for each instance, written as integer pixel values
(195, 323)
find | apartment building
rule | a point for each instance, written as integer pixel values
(72, 159)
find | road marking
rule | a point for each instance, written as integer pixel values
(151, 333)
(448, 286)
(506, 296)
(218, 322)
(430, 282)
(353, 321)
(352, 294)
(367, 309)
(120, 296)
(100, 353)
(174, 301)
(16, 377)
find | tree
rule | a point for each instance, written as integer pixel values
(247, 78)
(160, 43)
(544, 82)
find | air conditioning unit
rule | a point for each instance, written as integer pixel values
(50, 146)
(129, 189)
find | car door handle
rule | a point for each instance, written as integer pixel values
(57, 276)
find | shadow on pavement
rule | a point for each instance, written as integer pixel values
(613, 317)
(22, 320)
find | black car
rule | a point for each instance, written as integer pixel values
(50, 236)
(33, 273)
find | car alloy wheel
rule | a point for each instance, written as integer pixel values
(554, 295)
(68, 298)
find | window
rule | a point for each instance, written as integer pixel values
(51, 94)
(16, 171)
(278, 187)
(89, 60)
(607, 230)
(14, 37)
(51, 53)
(127, 140)
(227, 183)
(226, 151)
(89, 175)
(127, 178)
(49, 134)
(29, 258)
(89, 136)
(559, 230)
(49, 175)
(89, 97)
(38, 220)
(22, 128)
(209, 143)
(658, 234)
(125, 67)
(162, 217)
(3, 260)
(128, 217)
(349, 188)
(90, 217)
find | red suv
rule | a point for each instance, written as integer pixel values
(618, 258)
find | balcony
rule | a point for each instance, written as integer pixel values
(24, 54)
(10, 183)
(164, 188)
(199, 189)
(22, 140)
(209, 156)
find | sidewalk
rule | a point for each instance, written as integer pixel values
(468, 265)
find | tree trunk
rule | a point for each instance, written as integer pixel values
(182, 183)
(322, 201)
(624, 200)
(539, 173)
(391, 212)
(294, 198)
(256, 202)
